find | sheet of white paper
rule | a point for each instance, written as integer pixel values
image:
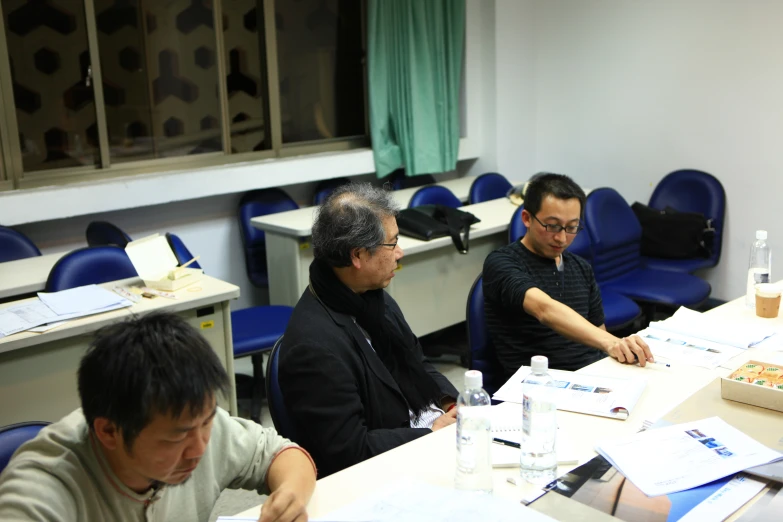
(81, 299)
(47, 327)
(684, 349)
(683, 456)
(581, 392)
(720, 330)
(10, 323)
(726, 500)
(415, 501)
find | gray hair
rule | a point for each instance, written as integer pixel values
(351, 217)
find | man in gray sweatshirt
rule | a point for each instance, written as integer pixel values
(149, 442)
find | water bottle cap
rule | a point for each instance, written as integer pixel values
(473, 379)
(539, 363)
(761, 234)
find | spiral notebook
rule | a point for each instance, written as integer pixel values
(507, 427)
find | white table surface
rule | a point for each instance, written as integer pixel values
(432, 457)
(25, 276)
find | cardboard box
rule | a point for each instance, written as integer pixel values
(753, 393)
(153, 260)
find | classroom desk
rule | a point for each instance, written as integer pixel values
(26, 276)
(38, 370)
(433, 280)
(432, 458)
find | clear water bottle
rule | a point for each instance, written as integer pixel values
(759, 267)
(538, 461)
(474, 436)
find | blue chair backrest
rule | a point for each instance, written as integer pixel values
(103, 233)
(324, 188)
(581, 245)
(694, 191)
(615, 233)
(13, 436)
(181, 252)
(253, 204)
(516, 228)
(434, 195)
(90, 266)
(15, 245)
(489, 185)
(284, 425)
(482, 351)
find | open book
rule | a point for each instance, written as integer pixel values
(582, 393)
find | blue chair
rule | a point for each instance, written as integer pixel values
(103, 233)
(13, 436)
(489, 185)
(324, 188)
(90, 266)
(616, 235)
(254, 330)
(691, 191)
(619, 311)
(482, 351)
(434, 195)
(284, 424)
(253, 204)
(15, 245)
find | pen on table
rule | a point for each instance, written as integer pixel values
(661, 363)
(506, 442)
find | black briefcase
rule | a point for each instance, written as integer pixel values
(427, 222)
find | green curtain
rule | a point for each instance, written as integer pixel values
(414, 68)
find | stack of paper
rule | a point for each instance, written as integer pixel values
(683, 456)
(56, 307)
(686, 349)
(582, 393)
(718, 330)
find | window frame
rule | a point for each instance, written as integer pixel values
(13, 176)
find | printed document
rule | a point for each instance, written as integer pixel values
(686, 349)
(716, 329)
(581, 392)
(683, 456)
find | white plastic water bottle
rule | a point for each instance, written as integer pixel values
(474, 436)
(538, 460)
(759, 267)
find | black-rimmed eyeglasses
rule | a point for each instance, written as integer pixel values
(555, 229)
(392, 245)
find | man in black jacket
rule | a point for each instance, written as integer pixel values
(351, 370)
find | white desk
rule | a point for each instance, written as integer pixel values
(433, 281)
(25, 276)
(432, 457)
(38, 370)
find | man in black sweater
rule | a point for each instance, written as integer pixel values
(541, 299)
(352, 372)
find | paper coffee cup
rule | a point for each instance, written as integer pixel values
(767, 300)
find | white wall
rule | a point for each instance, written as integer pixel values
(629, 90)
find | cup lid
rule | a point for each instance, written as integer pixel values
(767, 290)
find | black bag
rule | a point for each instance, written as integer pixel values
(672, 234)
(427, 222)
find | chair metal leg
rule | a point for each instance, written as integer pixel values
(259, 387)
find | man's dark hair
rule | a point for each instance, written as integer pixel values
(545, 184)
(351, 217)
(154, 364)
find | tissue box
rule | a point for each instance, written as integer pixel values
(153, 259)
(755, 383)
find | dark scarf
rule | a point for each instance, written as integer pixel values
(369, 309)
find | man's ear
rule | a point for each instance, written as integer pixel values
(356, 259)
(526, 219)
(107, 433)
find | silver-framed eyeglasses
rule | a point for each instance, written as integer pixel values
(555, 229)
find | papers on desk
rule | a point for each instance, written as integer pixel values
(684, 349)
(56, 307)
(507, 438)
(582, 393)
(683, 456)
(415, 501)
(718, 330)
